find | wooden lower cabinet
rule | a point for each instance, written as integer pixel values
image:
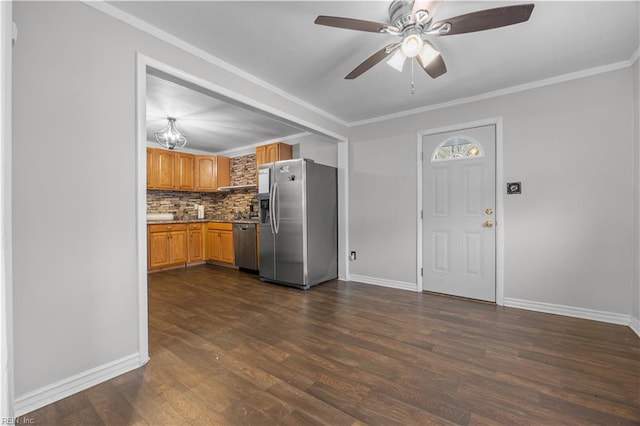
(167, 245)
(219, 242)
(196, 242)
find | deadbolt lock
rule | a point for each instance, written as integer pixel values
(489, 211)
(488, 224)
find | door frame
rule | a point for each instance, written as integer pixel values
(142, 62)
(497, 121)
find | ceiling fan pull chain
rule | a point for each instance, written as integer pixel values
(413, 86)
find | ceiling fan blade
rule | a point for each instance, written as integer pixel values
(372, 60)
(429, 6)
(485, 19)
(435, 67)
(351, 24)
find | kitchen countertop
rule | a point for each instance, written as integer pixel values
(154, 222)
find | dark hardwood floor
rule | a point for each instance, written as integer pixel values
(228, 349)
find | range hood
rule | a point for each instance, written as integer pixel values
(235, 187)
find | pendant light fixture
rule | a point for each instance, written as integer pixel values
(170, 137)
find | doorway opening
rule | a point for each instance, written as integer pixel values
(143, 65)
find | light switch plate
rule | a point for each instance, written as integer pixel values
(514, 188)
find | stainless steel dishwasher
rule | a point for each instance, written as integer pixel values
(244, 237)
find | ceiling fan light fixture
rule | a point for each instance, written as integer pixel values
(428, 53)
(170, 137)
(397, 60)
(412, 45)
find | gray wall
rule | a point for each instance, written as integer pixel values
(636, 102)
(320, 149)
(74, 179)
(568, 238)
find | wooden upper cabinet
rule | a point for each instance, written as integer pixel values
(170, 170)
(161, 169)
(211, 172)
(224, 171)
(184, 171)
(150, 168)
(261, 155)
(273, 152)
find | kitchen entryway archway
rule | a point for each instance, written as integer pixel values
(459, 212)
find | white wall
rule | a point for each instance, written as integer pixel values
(636, 109)
(6, 281)
(74, 177)
(568, 238)
(317, 148)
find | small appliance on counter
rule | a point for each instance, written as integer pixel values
(298, 222)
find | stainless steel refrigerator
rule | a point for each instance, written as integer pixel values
(298, 222)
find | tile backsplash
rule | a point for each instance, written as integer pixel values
(217, 205)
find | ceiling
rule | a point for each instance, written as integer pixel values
(210, 122)
(278, 42)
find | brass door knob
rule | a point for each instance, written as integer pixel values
(488, 224)
(489, 211)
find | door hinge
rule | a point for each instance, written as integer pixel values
(421, 272)
(422, 156)
(14, 33)
(421, 214)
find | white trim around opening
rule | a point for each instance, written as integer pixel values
(142, 62)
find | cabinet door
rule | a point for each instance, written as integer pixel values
(151, 169)
(205, 173)
(223, 171)
(272, 153)
(213, 245)
(261, 154)
(178, 251)
(284, 151)
(184, 172)
(165, 169)
(196, 243)
(158, 249)
(227, 251)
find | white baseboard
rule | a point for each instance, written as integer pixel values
(384, 283)
(54, 392)
(571, 311)
(635, 325)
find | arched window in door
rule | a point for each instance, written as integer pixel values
(458, 148)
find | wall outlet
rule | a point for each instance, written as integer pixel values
(352, 256)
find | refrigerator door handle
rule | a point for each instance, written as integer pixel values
(276, 208)
(271, 206)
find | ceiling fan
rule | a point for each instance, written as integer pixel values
(413, 22)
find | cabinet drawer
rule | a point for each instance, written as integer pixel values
(220, 226)
(167, 227)
(195, 227)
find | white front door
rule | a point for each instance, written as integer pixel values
(458, 203)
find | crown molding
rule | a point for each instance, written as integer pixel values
(144, 26)
(501, 92)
